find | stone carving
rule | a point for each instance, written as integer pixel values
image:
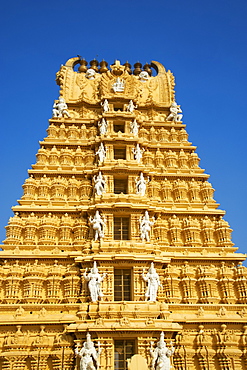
(131, 106)
(60, 108)
(153, 280)
(134, 128)
(89, 356)
(94, 282)
(98, 225)
(138, 152)
(99, 184)
(143, 76)
(105, 106)
(145, 226)
(118, 85)
(90, 74)
(141, 185)
(174, 113)
(103, 126)
(101, 152)
(161, 355)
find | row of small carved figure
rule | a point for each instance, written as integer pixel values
(75, 133)
(60, 188)
(51, 229)
(70, 157)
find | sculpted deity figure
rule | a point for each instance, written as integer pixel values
(143, 76)
(105, 106)
(94, 282)
(103, 125)
(131, 106)
(174, 113)
(90, 74)
(60, 108)
(99, 184)
(98, 225)
(141, 184)
(134, 128)
(138, 152)
(89, 357)
(161, 355)
(145, 226)
(101, 152)
(153, 281)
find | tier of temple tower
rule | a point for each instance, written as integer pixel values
(117, 256)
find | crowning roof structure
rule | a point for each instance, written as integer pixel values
(117, 237)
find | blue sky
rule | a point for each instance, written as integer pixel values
(203, 43)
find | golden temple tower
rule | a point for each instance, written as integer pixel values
(117, 245)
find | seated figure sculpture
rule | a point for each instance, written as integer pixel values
(161, 355)
(60, 108)
(89, 357)
(174, 113)
(153, 280)
(94, 282)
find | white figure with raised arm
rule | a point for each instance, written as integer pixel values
(98, 225)
(141, 184)
(145, 226)
(101, 152)
(60, 108)
(94, 282)
(161, 355)
(138, 152)
(153, 280)
(99, 184)
(174, 113)
(89, 356)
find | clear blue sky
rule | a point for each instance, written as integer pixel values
(202, 42)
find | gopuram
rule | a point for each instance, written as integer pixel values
(117, 256)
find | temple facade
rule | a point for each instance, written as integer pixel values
(117, 256)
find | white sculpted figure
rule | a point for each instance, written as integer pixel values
(103, 125)
(118, 85)
(131, 106)
(60, 108)
(98, 225)
(94, 281)
(90, 74)
(143, 76)
(161, 355)
(99, 184)
(134, 128)
(153, 281)
(138, 153)
(174, 113)
(105, 106)
(145, 226)
(101, 152)
(88, 355)
(141, 184)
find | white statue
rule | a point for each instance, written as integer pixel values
(174, 113)
(101, 152)
(103, 125)
(118, 85)
(145, 226)
(153, 281)
(134, 128)
(138, 153)
(89, 357)
(143, 76)
(141, 184)
(94, 281)
(105, 106)
(60, 108)
(90, 74)
(131, 106)
(161, 355)
(99, 184)
(98, 225)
